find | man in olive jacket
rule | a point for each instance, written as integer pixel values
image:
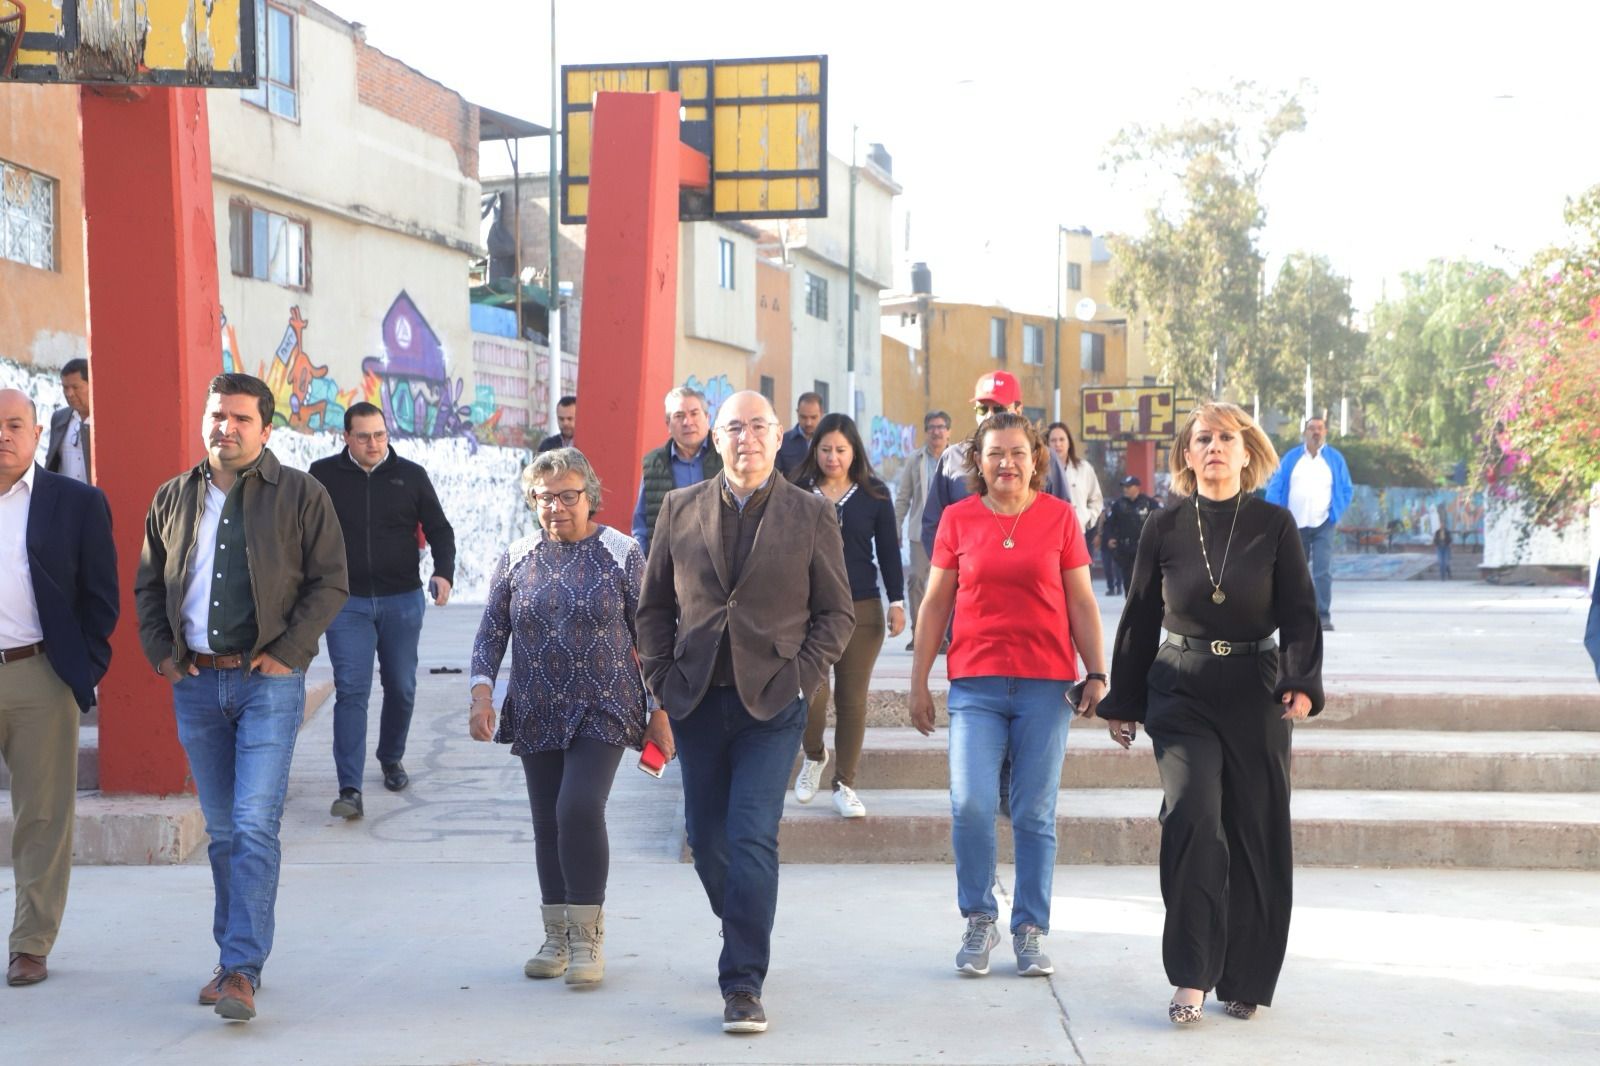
(744, 608)
(243, 568)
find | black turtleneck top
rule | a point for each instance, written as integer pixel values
(1266, 582)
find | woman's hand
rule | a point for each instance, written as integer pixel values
(1094, 690)
(922, 710)
(1297, 706)
(897, 620)
(659, 730)
(1123, 732)
(480, 720)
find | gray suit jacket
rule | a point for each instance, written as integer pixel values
(59, 421)
(788, 617)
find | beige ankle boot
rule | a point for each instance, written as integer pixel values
(586, 933)
(554, 954)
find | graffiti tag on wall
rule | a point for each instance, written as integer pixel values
(307, 398)
(716, 391)
(890, 440)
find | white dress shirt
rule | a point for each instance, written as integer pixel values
(202, 572)
(19, 611)
(74, 463)
(1311, 490)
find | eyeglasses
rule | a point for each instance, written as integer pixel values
(547, 500)
(370, 438)
(755, 427)
(990, 408)
(937, 427)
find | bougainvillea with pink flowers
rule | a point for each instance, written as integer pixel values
(1541, 400)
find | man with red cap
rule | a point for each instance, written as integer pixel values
(995, 392)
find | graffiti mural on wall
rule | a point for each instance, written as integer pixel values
(1411, 515)
(410, 382)
(307, 397)
(890, 441)
(716, 390)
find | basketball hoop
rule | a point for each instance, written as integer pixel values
(12, 27)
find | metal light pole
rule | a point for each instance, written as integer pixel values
(850, 296)
(553, 289)
(1056, 416)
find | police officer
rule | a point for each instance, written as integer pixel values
(1123, 526)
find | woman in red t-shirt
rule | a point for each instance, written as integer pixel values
(1011, 562)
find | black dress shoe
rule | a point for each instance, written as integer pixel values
(395, 777)
(348, 805)
(743, 1014)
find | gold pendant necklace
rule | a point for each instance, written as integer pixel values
(1010, 538)
(1217, 595)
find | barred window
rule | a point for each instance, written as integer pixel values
(27, 217)
(816, 296)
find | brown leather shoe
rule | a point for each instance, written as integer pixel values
(237, 999)
(26, 969)
(212, 990)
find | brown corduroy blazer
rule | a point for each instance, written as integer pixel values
(789, 615)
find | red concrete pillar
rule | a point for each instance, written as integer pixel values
(154, 341)
(630, 284)
(1141, 463)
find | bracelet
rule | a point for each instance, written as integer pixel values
(1102, 678)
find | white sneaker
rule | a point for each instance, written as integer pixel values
(810, 779)
(847, 804)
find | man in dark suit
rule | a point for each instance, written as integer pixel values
(58, 605)
(797, 442)
(745, 606)
(566, 421)
(69, 427)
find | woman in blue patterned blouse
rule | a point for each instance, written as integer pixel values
(564, 599)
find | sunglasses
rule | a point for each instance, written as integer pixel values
(990, 408)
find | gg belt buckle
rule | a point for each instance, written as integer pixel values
(1221, 647)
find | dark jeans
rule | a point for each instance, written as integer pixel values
(735, 775)
(1591, 635)
(1124, 561)
(567, 792)
(1318, 543)
(389, 626)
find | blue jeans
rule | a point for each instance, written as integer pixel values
(992, 718)
(1591, 635)
(390, 626)
(238, 730)
(1318, 543)
(735, 776)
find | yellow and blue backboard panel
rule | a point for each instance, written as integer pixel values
(200, 43)
(1128, 413)
(762, 123)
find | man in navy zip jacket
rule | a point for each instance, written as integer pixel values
(380, 499)
(58, 606)
(1313, 482)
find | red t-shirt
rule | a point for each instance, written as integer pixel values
(1011, 603)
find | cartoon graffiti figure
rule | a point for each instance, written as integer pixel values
(293, 370)
(411, 379)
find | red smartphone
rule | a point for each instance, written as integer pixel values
(653, 760)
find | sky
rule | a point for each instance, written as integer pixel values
(1434, 130)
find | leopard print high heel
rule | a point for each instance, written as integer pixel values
(1238, 1009)
(1186, 1013)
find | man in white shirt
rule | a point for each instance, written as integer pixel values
(1313, 482)
(58, 606)
(69, 427)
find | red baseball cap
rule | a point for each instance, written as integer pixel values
(998, 387)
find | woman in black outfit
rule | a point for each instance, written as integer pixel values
(1221, 571)
(836, 468)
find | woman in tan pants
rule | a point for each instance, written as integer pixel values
(837, 469)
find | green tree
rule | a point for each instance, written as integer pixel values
(1429, 351)
(1196, 271)
(1307, 320)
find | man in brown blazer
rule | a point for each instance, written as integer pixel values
(744, 608)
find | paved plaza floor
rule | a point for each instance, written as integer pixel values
(401, 937)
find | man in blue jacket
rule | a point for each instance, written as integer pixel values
(58, 606)
(1314, 484)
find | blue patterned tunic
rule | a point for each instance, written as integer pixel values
(567, 611)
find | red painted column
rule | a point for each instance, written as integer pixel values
(154, 343)
(630, 285)
(1141, 463)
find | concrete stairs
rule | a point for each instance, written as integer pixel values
(1381, 779)
(137, 830)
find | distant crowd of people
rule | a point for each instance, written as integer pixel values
(750, 597)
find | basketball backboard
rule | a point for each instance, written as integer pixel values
(200, 43)
(1128, 413)
(761, 122)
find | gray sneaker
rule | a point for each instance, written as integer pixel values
(980, 938)
(1031, 960)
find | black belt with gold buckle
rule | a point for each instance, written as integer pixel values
(28, 651)
(1222, 648)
